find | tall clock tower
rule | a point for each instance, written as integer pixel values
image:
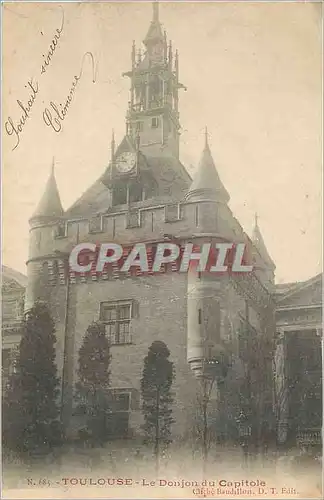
(153, 107)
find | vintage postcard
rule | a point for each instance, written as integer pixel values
(161, 261)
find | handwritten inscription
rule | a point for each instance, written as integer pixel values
(54, 116)
(17, 128)
(52, 46)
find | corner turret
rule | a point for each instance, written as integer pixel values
(43, 226)
(206, 183)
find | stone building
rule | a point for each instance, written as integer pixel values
(298, 360)
(13, 293)
(146, 195)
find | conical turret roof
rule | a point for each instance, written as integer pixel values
(206, 181)
(50, 204)
(259, 244)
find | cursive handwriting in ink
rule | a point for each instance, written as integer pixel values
(55, 114)
(52, 46)
(60, 111)
(93, 65)
(16, 129)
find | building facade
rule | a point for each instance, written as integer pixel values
(146, 195)
(298, 360)
(12, 310)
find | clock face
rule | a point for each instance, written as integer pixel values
(125, 162)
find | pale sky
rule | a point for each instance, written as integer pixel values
(253, 73)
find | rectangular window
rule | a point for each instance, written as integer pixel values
(95, 225)
(199, 316)
(155, 122)
(133, 219)
(117, 318)
(60, 230)
(172, 213)
(118, 419)
(121, 401)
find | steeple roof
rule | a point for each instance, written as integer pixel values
(206, 181)
(50, 204)
(155, 30)
(259, 244)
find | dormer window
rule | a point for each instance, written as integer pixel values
(120, 194)
(136, 192)
(125, 193)
(155, 122)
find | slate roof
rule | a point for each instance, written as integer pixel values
(258, 242)
(50, 204)
(206, 180)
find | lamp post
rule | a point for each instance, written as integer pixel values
(245, 432)
(214, 369)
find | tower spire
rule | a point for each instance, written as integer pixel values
(112, 145)
(206, 182)
(154, 33)
(155, 5)
(258, 242)
(206, 137)
(256, 218)
(153, 108)
(50, 205)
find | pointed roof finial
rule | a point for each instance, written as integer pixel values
(112, 145)
(258, 242)
(206, 137)
(133, 55)
(206, 184)
(155, 6)
(256, 218)
(53, 166)
(154, 33)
